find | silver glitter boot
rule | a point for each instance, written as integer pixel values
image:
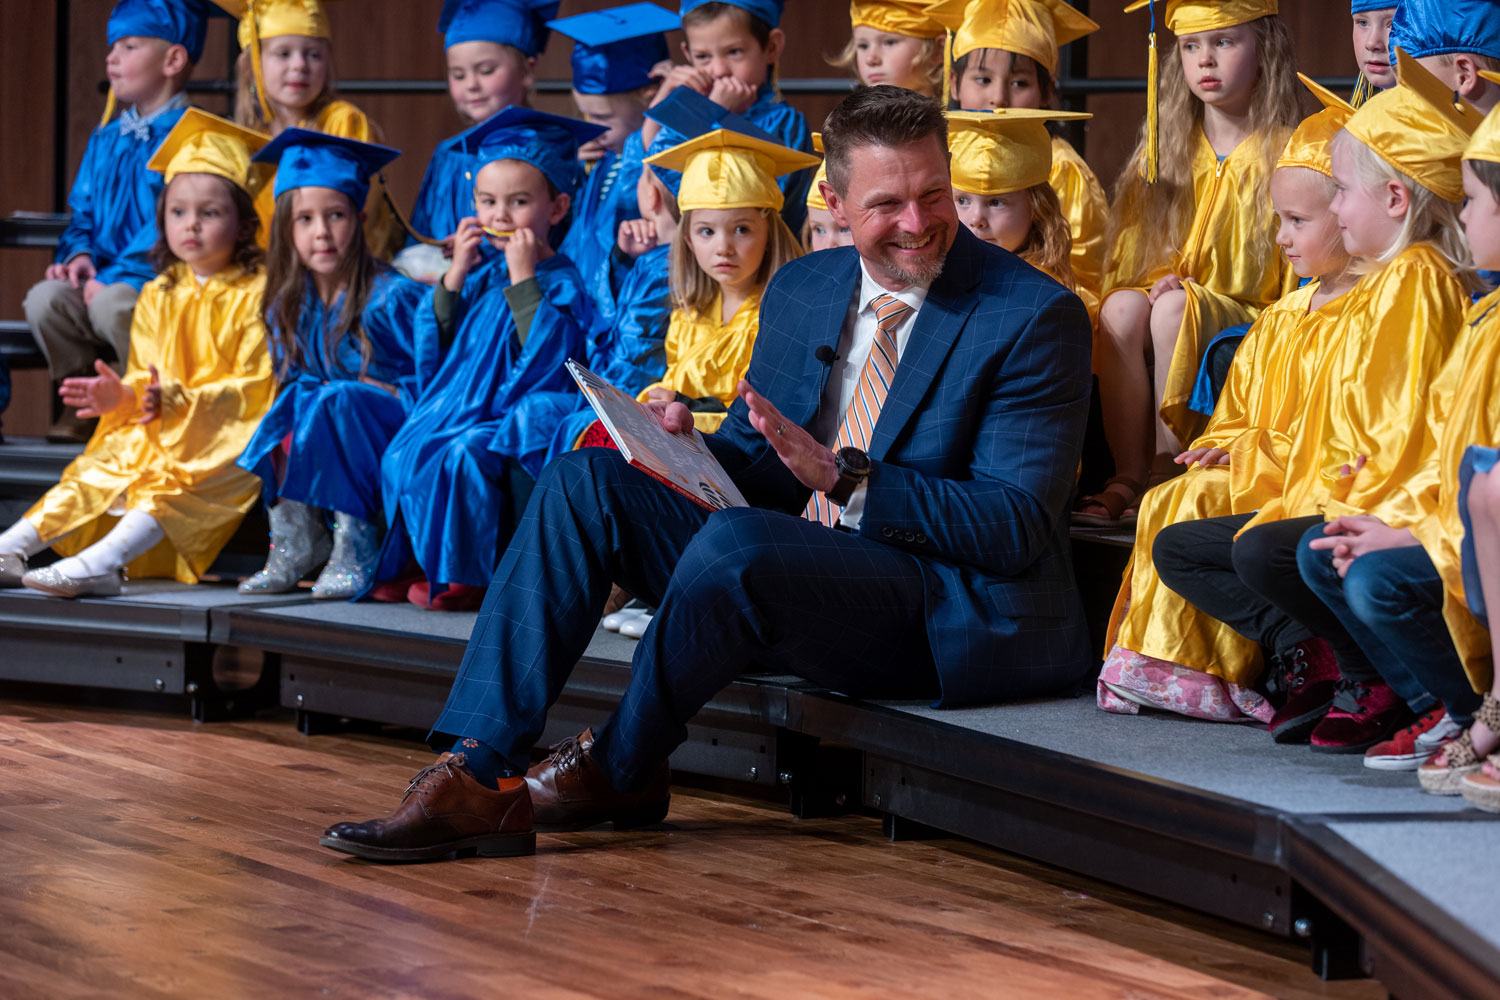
(351, 568)
(299, 543)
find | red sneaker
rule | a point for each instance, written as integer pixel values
(1311, 674)
(1363, 714)
(1409, 747)
(458, 597)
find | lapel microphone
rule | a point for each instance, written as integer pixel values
(825, 354)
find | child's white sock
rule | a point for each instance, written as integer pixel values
(21, 539)
(133, 536)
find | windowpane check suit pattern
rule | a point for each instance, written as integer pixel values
(957, 584)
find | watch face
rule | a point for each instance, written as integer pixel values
(853, 460)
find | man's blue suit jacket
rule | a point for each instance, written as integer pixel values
(974, 455)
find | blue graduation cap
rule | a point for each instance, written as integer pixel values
(521, 24)
(617, 47)
(686, 114)
(1365, 6)
(307, 158)
(1438, 27)
(179, 22)
(768, 11)
(548, 142)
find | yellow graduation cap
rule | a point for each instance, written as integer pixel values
(894, 16)
(724, 169)
(998, 152)
(1418, 128)
(1485, 145)
(1033, 28)
(202, 143)
(271, 19)
(1187, 17)
(815, 194)
(1309, 144)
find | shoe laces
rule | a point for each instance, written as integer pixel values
(423, 776)
(567, 755)
(1289, 669)
(1349, 695)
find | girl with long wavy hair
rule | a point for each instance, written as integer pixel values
(340, 325)
(1192, 234)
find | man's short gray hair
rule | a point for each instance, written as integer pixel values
(878, 116)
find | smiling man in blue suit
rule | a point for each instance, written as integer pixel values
(907, 436)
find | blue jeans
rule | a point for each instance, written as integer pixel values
(1391, 602)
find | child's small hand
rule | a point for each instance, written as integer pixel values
(1203, 456)
(94, 396)
(661, 69)
(590, 152)
(151, 404)
(636, 237)
(465, 252)
(79, 270)
(733, 93)
(91, 288)
(1171, 283)
(683, 76)
(56, 272)
(520, 256)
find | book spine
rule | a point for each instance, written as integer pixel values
(664, 480)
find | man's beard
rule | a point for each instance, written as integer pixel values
(923, 273)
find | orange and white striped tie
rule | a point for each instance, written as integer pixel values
(864, 409)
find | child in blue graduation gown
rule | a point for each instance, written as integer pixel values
(83, 308)
(497, 329)
(491, 48)
(743, 86)
(341, 325)
(616, 51)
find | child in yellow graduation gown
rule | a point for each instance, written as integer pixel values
(894, 43)
(1192, 237)
(284, 78)
(1360, 433)
(1161, 651)
(199, 379)
(1000, 162)
(820, 232)
(1006, 56)
(730, 241)
(1395, 576)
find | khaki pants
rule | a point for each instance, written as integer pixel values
(70, 334)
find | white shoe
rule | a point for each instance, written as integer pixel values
(636, 627)
(49, 581)
(12, 568)
(613, 621)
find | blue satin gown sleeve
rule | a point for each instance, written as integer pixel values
(446, 194)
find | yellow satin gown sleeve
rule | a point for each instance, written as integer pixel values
(208, 345)
(382, 230)
(1464, 409)
(1230, 254)
(1266, 384)
(1372, 392)
(706, 358)
(1087, 210)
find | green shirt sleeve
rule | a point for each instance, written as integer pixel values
(524, 298)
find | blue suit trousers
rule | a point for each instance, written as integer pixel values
(737, 590)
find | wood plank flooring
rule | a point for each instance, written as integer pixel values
(144, 856)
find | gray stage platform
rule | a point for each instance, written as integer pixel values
(1375, 875)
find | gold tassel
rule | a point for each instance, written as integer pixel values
(1361, 93)
(947, 95)
(109, 108)
(401, 219)
(1152, 114)
(255, 70)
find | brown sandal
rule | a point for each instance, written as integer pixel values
(1444, 774)
(1119, 509)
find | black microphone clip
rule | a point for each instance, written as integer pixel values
(825, 354)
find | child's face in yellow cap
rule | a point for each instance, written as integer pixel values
(994, 78)
(1481, 219)
(886, 57)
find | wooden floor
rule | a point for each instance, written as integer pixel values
(143, 856)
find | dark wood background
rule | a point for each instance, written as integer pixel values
(396, 39)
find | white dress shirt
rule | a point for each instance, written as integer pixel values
(855, 344)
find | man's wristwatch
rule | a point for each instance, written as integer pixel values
(854, 468)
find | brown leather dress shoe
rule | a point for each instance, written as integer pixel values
(570, 792)
(444, 814)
